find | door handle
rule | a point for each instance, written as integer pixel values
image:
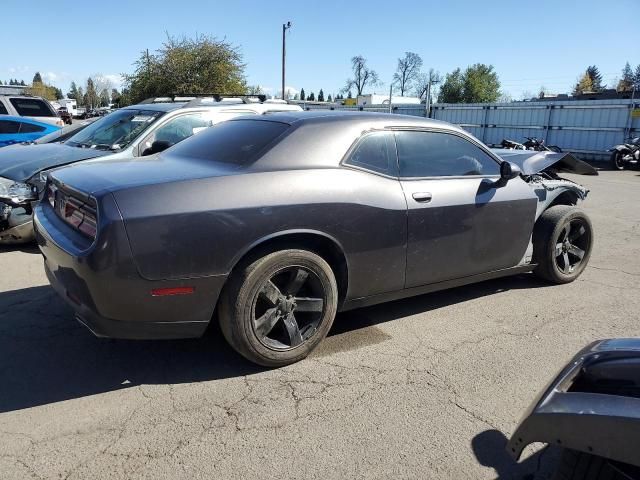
(422, 197)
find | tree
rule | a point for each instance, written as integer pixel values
(105, 99)
(73, 91)
(596, 78)
(37, 78)
(58, 93)
(91, 98)
(584, 85)
(481, 84)
(80, 97)
(321, 96)
(626, 82)
(452, 90)
(407, 71)
(115, 96)
(363, 76)
(329, 99)
(303, 97)
(312, 97)
(188, 66)
(423, 80)
(349, 95)
(22, 84)
(636, 78)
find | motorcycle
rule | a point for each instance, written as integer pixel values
(626, 154)
(539, 146)
(531, 143)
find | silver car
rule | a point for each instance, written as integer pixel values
(134, 131)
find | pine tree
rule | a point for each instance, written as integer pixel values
(37, 78)
(584, 85)
(636, 78)
(626, 82)
(321, 96)
(73, 91)
(329, 99)
(596, 78)
(302, 95)
(312, 97)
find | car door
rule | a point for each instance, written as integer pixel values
(462, 218)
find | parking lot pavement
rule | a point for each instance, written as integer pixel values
(421, 388)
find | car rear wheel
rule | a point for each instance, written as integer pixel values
(562, 243)
(278, 308)
(581, 466)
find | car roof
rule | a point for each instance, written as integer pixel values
(365, 119)
(257, 107)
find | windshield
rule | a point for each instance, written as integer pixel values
(116, 130)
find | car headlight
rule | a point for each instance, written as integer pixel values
(17, 192)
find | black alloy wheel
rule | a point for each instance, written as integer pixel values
(276, 309)
(562, 243)
(571, 246)
(288, 308)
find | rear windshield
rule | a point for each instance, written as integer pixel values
(32, 107)
(238, 141)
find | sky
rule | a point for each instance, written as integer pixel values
(530, 43)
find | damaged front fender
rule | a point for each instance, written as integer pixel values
(592, 405)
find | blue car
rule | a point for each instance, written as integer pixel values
(20, 129)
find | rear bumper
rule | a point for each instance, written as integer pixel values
(592, 405)
(102, 285)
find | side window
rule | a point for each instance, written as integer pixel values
(30, 128)
(8, 127)
(375, 151)
(3, 109)
(434, 154)
(32, 107)
(217, 117)
(176, 130)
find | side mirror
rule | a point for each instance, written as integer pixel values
(156, 147)
(509, 171)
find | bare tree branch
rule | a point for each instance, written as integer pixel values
(363, 76)
(407, 71)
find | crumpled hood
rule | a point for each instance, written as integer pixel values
(531, 162)
(20, 163)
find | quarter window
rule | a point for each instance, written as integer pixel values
(7, 127)
(30, 128)
(434, 154)
(376, 152)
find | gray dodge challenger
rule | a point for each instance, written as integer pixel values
(293, 217)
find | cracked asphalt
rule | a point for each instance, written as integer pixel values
(421, 388)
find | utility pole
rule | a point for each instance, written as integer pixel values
(285, 27)
(433, 79)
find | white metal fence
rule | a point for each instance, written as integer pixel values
(585, 127)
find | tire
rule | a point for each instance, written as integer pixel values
(581, 466)
(616, 160)
(277, 327)
(555, 148)
(560, 254)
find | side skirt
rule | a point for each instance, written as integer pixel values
(433, 287)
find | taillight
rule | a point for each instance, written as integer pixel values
(75, 212)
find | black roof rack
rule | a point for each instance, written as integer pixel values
(197, 98)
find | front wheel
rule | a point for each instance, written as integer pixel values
(562, 243)
(277, 309)
(581, 466)
(617, 160)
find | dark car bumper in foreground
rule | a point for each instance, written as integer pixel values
(106, 291)
(592, 406)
